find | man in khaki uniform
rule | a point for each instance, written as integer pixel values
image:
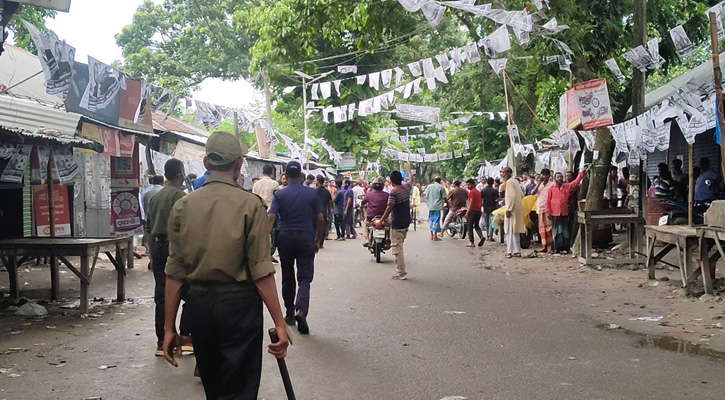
(157, 219)
(219, 247)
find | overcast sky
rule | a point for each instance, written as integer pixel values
(91, 25)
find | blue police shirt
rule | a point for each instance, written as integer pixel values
(296, 207)
(705, 185)
(199, 182)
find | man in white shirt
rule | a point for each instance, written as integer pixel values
(266, 186)
(359, 192)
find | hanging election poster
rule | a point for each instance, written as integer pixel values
(593, 98)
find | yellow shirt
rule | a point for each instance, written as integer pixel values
(217, 234)
(415, 199)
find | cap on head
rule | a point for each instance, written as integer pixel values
(379, 181)
(223, 148)
(293, 169)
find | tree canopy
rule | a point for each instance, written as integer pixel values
(179, 43)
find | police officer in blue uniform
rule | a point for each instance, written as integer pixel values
(300, 223)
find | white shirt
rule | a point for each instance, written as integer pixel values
(359, 193)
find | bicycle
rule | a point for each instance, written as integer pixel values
(457, 226)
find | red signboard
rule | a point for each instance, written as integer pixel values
(125, 170)
(41, 210)
(126, 213)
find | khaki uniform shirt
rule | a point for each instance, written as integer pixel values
(265, 188)
(160, 207)
(218, 234)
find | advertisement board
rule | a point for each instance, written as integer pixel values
(42, 210)
(126, 213)
(593, 97)
(347, 162)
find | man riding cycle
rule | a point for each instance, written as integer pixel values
(375, 201)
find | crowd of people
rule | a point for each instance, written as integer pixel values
(674, 185)
(212, 243)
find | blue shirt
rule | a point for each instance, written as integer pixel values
(296, 207)
(199, 182)
(705, 188)
(339, 202)
(349, 196)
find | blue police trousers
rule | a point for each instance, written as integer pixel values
(299, 247)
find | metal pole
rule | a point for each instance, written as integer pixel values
(304, 112)
(691, 190)
(54, 270)
(268, 101)
(236, 124)
(511, 154)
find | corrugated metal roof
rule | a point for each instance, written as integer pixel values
(196, 139)
(53, 136)
(17, 65)
(175, 125)
(28, 116)
(700, 75)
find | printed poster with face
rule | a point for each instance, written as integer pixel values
(57, 59)
(593, 98)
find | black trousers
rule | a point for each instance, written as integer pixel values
(159, 254)
(473, 222)
(325, 231)
(300, 247)
(339, 226)
(228, 330)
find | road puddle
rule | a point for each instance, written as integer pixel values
(668, 343)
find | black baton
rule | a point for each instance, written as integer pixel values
(283, 368)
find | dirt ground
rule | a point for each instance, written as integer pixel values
(622, 299)
(656, 313)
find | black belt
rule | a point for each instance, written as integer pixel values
(221, 287)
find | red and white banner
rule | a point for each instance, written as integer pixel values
(61, 209)
(595, 110)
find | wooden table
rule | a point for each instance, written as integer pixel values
(709, 237)
(685, 240)
(589, 220)
(119, 252)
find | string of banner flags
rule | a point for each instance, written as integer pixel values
(650, 59)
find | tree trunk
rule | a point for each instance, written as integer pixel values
(600, 170)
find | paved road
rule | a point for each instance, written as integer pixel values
(453, 329)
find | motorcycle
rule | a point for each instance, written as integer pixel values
(359, 216)
(457, 226)
(379, 238)
(678, 213)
